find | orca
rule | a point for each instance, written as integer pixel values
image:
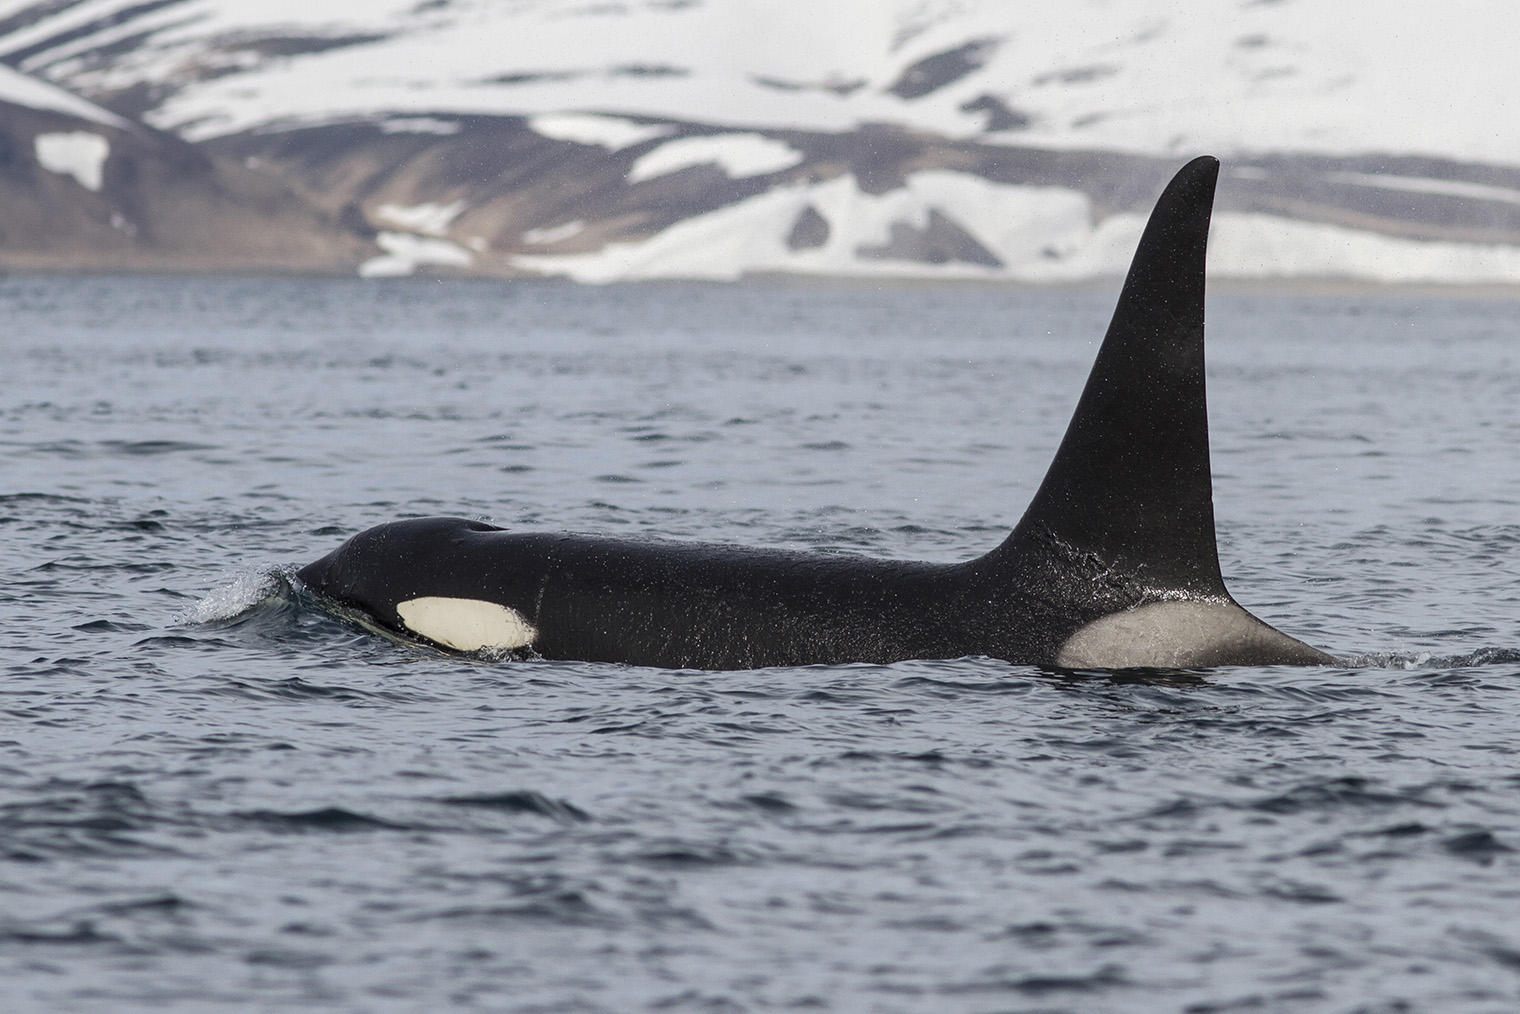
(1114, 565)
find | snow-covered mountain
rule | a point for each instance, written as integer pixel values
(1019, 139)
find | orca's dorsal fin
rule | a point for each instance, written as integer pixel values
(1129, 489)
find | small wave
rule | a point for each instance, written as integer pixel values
(327, 818)
(1041, 984)
(1335, 794)
(563, 907)
(294, 688)
(9, 499)
(672, 854)
(97, 819)
(242, 594)
(522, 801)
(1480, 846)
(72, 933)
(1410, 661)
(141, 448)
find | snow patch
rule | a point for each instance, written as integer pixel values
(419, 125)
(1425, 185)
(1036, 234)
(1132, 75)
(405, 253)
(431, 219)
(588, 128)
(554, 233)
(78, 153)
(739, 155)
(1267, 246)
(25, 90)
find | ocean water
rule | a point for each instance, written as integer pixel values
(214, 796)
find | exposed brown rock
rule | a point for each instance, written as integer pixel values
(161, 205)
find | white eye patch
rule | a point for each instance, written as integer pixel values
(467, 624)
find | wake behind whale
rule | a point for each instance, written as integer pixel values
(1113, 565)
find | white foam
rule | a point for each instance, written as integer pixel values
(243, 592)
(81, 154)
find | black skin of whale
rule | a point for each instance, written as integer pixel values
(1113, 565)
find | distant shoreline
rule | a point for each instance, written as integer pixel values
(1283, 287)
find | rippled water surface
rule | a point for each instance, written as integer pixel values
(213, 796)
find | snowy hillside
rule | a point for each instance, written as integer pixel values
(1136, 75)
(84, 188)
(608, 139)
